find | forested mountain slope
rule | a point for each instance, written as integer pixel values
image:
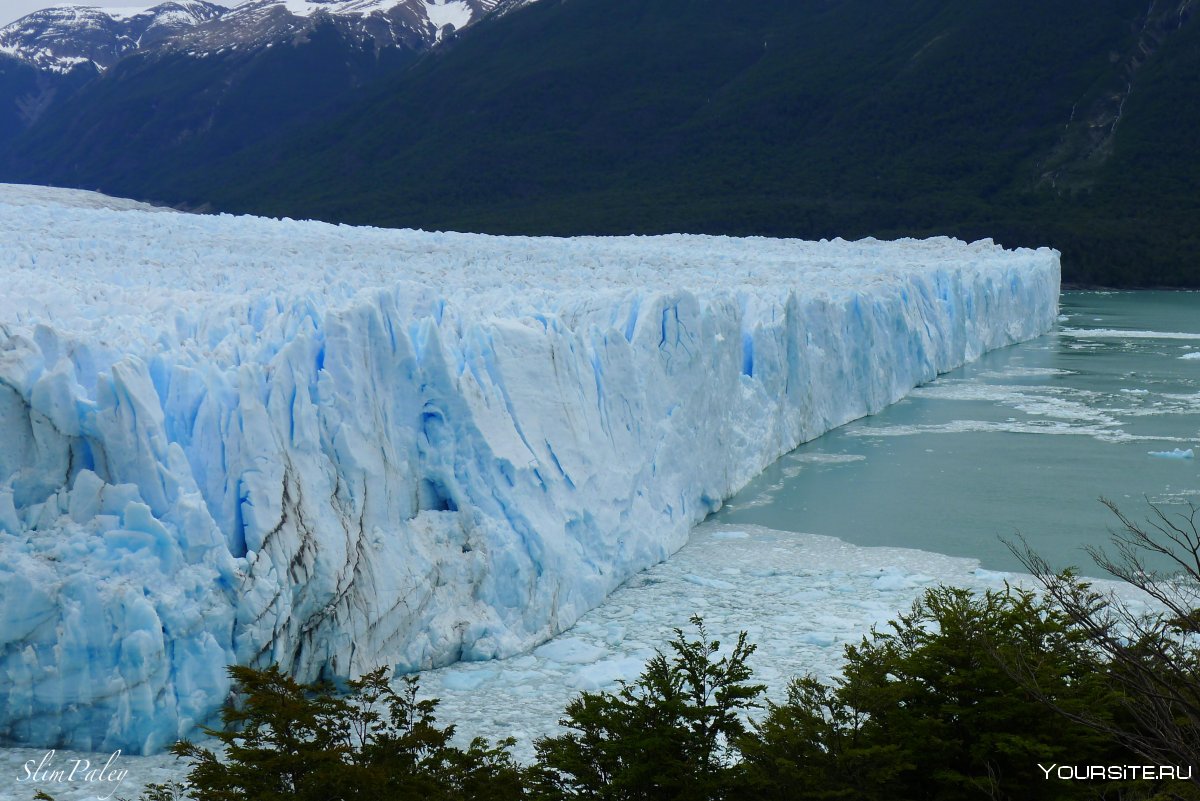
(1069, 123)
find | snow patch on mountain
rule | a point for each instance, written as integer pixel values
(232, 439)
(448, 12)
(59, 39)
(121, 13)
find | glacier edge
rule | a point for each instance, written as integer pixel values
(246, 440)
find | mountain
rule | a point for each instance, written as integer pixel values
(186, 82)
(47, 55)
(1068, 123)
(153, 113)
(62, 38)
(26, 92)
(59, 39)
(415, 24)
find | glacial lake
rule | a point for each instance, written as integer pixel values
(1024, 440)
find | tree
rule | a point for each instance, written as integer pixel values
(672, 734)
(304, 742)
(926, 710)
(1154, 656)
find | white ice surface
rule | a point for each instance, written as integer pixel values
(237, 439)
(18, 195)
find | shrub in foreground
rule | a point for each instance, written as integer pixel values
(672, 734)
(932, 709)
(297, 742)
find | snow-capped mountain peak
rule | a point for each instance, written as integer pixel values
(63, 37)
(408, 23)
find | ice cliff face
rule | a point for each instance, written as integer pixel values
(248, 440)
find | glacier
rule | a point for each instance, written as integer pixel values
(243, 440)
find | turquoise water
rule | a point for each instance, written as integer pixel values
(1025, 440)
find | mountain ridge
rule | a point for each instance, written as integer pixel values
(60, 38)
(193, 81)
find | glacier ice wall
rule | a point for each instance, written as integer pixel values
(247, 440)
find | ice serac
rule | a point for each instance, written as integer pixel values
(247, 440)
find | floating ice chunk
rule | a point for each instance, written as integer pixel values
(569, 651)
(1019, 371)
(1193, 356)
(1175, 453)
(722, 534)
(827, 458)
(1116, 333)
(704, 581)
(995, 577)
(896, 579)
(605, 674)
(823, 639)
(464, 680)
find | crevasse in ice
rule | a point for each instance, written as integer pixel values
(234, 439)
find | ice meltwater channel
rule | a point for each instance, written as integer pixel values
(233, 439)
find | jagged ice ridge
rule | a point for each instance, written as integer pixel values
(233, 439)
